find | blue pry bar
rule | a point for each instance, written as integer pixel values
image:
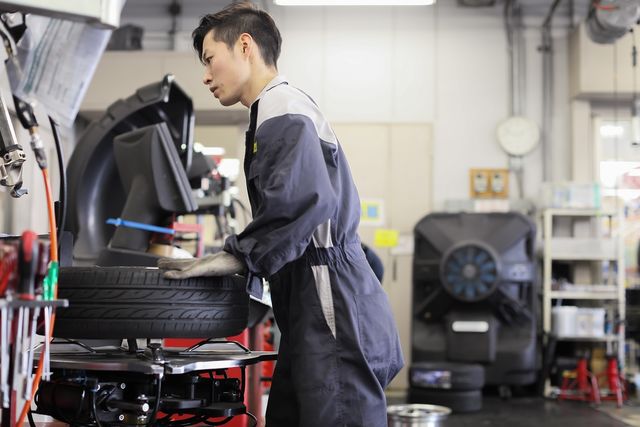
(119, 222)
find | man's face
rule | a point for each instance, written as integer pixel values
(226, 70)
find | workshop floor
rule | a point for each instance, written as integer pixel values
(538, 412)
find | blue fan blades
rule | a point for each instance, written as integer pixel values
(470, 272)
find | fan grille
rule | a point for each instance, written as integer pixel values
(470, 272)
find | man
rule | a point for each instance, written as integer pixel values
(339, 345)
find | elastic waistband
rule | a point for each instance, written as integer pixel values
(322, 256)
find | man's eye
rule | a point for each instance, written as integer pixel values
(208, 60)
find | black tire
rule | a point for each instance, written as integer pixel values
(138, 302)
(446, 375)
(457, 401)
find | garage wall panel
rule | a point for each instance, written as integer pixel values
(358, 66)
(303, 58)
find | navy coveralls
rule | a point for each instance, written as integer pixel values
(339, 345)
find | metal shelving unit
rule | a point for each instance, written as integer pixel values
(578, 295)
(589, 244)
(604, 338)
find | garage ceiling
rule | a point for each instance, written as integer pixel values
(530, 7)
(534, 9)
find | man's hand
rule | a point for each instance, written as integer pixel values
(218, 264)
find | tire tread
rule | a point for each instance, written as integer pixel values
(138, 302)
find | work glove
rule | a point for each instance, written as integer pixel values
(218, 264)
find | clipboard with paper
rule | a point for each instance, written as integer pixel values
(54, 63)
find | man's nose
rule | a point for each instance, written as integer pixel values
(206, 79)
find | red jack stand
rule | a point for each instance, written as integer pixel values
(580, 384)
(615, 382)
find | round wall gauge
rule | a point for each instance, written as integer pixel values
(518, 135)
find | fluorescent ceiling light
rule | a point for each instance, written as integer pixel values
(354, 2)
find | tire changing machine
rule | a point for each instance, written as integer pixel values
(151, 386)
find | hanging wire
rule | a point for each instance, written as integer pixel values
(610, 344)
(634, 64)
(62, 194)
(94, 409)
(616, 138)
(156, 406)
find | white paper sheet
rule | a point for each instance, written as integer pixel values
(56, 60)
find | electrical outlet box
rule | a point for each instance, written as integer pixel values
(500, 183)
(489, 183)
(479, 183)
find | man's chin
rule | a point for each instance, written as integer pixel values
(228, 102)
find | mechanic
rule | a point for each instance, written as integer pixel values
(339, 346)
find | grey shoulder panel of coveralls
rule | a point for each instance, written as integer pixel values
(284, 99)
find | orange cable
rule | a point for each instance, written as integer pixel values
(53, 255)
(53, 237)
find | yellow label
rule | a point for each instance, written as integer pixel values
(255, 146)
(386, 238)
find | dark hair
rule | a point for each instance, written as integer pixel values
(238, 18)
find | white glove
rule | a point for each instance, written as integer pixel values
(218, 264)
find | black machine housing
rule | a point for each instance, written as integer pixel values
(81, 397)
(96, 188)
(474, 294)
(153, 386)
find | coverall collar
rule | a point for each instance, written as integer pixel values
(277, 80)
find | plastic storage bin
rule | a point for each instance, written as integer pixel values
(563, 320)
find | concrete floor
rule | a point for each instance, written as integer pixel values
(534, 412)
(538, 412)
(629, 413)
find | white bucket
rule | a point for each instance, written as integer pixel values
(563, 320)
(417, 415)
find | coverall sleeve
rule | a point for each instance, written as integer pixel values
(295, 195)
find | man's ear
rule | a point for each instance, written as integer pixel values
(246, 43)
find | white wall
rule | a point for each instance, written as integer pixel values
(472, 98)
(444, 65)
(371, 66)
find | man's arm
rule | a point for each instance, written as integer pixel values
(296, 195)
